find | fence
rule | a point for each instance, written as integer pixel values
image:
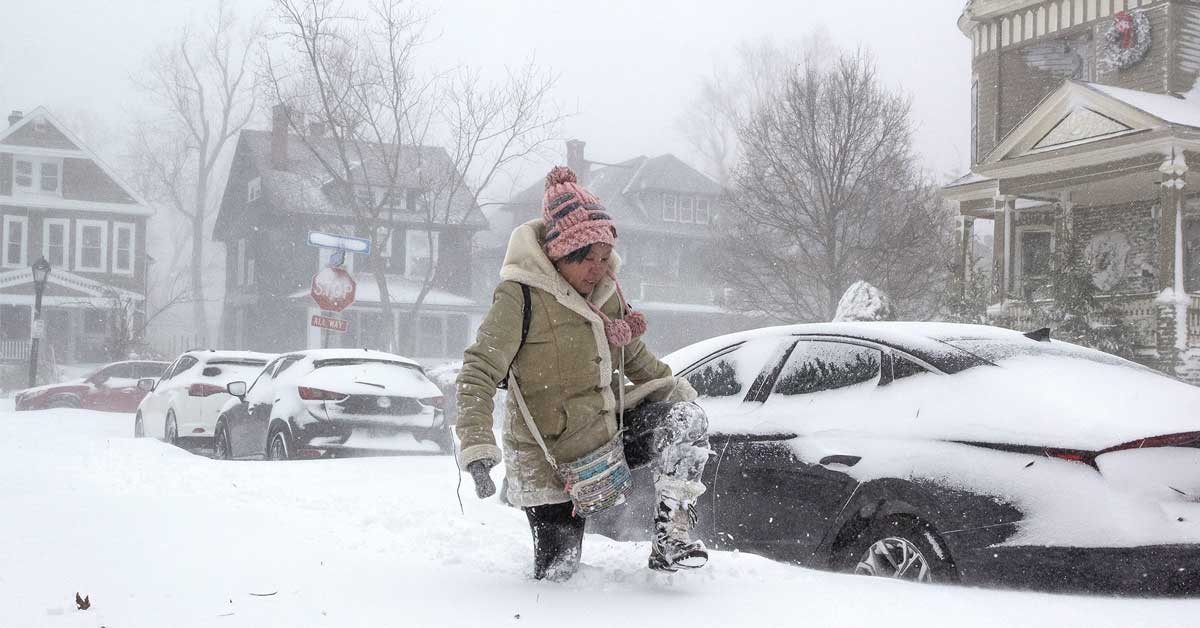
(14, 350)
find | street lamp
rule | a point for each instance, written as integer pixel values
(41, 270)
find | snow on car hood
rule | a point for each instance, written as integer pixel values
(1051, 401)
(373, 378)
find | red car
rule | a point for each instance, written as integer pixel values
(112, 388)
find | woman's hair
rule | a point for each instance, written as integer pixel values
(578, 255)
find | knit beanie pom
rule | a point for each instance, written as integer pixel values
(618, 333)
(560, 174)
(637, 323)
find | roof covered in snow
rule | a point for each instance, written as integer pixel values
(1182, 110)
(301, 188)
(618, 186)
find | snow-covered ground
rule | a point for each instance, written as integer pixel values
(159, 537)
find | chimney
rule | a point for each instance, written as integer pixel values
(15, 117)
(575, 160)
(279, 137)
(316, 129)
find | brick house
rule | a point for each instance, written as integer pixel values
(58, 200)
(277, 192)
(1085, 119)
(665, 213)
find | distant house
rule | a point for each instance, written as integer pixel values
(666, 213)
(1085, 122)
(278, 192)
(59, 201)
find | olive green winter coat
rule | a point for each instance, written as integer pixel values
(565, 371)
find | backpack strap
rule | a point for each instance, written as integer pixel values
(526, 318)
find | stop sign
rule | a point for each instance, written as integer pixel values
(333, 289)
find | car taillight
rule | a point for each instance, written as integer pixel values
(204, 390)
(438, 402)
(1182, 439)
(316, 394)
(1073, 455)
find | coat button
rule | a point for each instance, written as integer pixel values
(599, 389)
(598, 359)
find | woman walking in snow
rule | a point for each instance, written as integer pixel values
(559, 323)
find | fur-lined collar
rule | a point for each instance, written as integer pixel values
(526, 262)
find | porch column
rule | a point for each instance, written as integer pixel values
(1173, 300)
(966, 239)
(1001, 248)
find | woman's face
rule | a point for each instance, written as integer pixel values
(585, 275)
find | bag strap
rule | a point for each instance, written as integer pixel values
(526, 318)
(515, 391)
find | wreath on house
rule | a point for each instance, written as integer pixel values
(1127, 40)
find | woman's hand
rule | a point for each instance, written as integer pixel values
(480, 471)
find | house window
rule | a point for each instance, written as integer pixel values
(37, 176)
(394, 199)
(383, 240)
(55, 240)
(250, 271)
(975, 122)
(122, 261)
(702, 211)
(670, 208)
(91, 245)
(1034, 257)
(365, 198)
(420, 253)
(431, 337)
(240, 268)
(253, 189)
(687, 209)
(16, 241)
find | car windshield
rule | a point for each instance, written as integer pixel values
(996, 351)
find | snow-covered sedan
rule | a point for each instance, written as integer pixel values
(181, 406)
(329, 403)
(945, 453)
(111, 388)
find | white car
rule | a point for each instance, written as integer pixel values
(181, 407)
(330, 403)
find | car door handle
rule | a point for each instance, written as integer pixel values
(848, 461)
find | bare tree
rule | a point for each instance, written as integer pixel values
(756, 75)
(399, 145)
(828, 192)
(202, 83)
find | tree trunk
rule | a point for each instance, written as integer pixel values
(199, 314)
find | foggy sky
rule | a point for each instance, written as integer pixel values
(628, 67)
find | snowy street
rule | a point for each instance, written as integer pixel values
(156, 536)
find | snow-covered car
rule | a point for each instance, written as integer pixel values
(112, 388)
(181, 406)
(329, 403)
(939, 452)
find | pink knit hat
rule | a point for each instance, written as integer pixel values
(573, 217)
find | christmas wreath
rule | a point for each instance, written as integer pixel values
(1126, 40)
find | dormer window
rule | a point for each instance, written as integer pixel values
(33, 175)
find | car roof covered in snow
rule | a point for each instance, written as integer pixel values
(353, 354)
(209, 355)
(928, 341)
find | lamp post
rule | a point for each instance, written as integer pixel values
(41, 270)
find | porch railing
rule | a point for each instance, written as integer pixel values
(1139, 310)
(14, 350)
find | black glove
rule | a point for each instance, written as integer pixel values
(480, 471)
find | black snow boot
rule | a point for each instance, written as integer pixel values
(557, 541)
(671, 548)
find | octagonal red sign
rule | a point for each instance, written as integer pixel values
(333, 289)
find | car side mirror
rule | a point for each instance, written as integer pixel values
(146, 384)
(237, 389)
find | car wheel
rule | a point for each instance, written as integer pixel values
(221, 450)
(279, 446)
(139, 428)
(63, 401)
(903, 548)
(171, 431)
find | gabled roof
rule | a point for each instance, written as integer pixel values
(617, 186)
(1080, 113)
(72, 288)
(76, 148)
(302, 187)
